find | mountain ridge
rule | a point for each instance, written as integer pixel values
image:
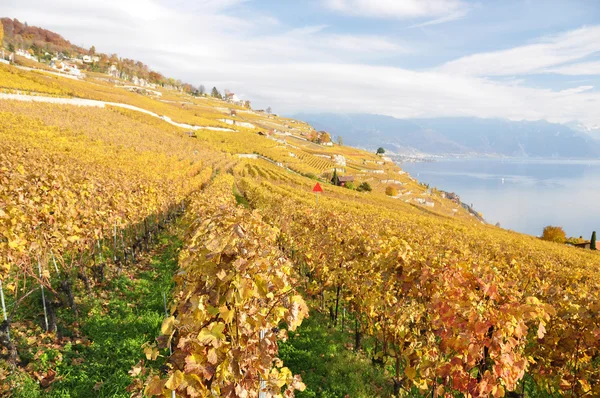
(458, 136)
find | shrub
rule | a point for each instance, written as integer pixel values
(350, 185)
(364, 187)
(391, 191)
(554, 234)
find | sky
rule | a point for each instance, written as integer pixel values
(515, 59)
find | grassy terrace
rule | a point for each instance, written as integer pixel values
(92, 355)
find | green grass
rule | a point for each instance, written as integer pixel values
(117, 320)
(318, 353)
(240, 199)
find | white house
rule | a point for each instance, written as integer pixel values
(66, 67)
(234, 99)
(25, 54)
(113, 71)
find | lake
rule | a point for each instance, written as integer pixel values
(522, 195)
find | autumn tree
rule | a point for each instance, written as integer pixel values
(554, 234)
(380, 151)
(593, 241)
(391, 191)
(93, 50)
(1, 34)
(324, 138)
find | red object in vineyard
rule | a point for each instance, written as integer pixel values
(317, 188)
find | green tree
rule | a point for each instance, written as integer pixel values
(380, 151)
(335, 180)
(340, 140)
(593, 241)
(364, 187)
(554, 234)
(215, 93)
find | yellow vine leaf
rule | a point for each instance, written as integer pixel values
(175, 380)
(167, 326)
(212, 335)
(410, 372)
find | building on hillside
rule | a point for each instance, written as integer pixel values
(343, 180)
(113, 71)
(233, 99)
(66, 67)
(26, 54)
(582, 245)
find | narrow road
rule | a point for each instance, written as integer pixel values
(102, 104)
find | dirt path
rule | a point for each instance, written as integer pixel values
(102, 104)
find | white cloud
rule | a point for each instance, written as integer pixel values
(446, 18)
(306, 69)
(581, 68)
(533, 58)
(400, 9)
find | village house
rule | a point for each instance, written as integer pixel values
(233, 99)
(66, 67)
(113, 71)
(343, 180)
(583, 245)
(26, 54)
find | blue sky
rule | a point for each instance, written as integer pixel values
(512, 59)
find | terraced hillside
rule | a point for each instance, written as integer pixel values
(183, 242)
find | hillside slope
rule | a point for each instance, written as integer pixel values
(443, 302)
